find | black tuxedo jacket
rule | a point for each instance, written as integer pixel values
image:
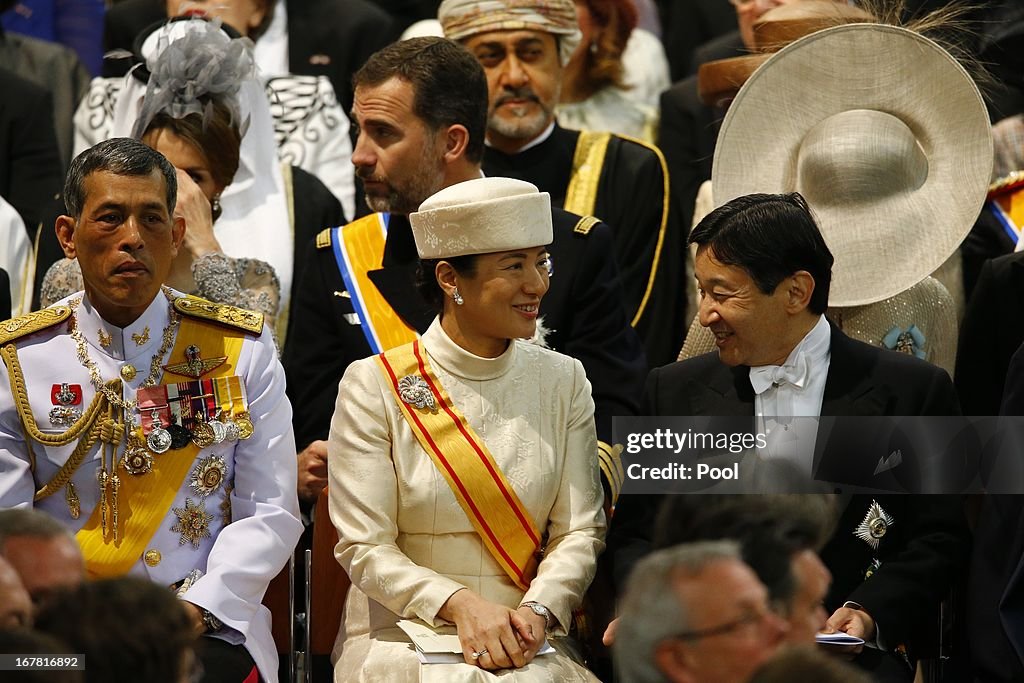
(330, 38)
(923, 551)
(582, 309)
(991, 332)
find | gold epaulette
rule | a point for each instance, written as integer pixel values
(1007, 184)
(609, 459)
(585, 224)
(239, 318)
(323, 238)
(24, 325)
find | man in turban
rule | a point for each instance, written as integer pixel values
(523, 46)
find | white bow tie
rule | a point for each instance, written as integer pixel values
(764, 377)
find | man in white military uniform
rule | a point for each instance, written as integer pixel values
(153, 424)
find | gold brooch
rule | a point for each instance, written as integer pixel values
(193, 523)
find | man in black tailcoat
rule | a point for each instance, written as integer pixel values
(764, 273)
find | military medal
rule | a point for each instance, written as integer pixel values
(65, 396)
(231, 430)
(193, 523)
(203, 434)
(195, 365)
(159, 440)
(180, 437)
(136, 459)
(874, 526)
(208, 475)
(220, 430)
(244, 424)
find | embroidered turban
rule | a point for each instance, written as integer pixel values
(462, 19)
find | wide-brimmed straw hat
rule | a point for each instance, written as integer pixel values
(719, 80)
(482, 216)
(886, 136)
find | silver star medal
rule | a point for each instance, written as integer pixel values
(415, 391)
(875, 524)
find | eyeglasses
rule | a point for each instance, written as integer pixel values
(727, 627)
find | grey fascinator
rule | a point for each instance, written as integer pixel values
(194, 64)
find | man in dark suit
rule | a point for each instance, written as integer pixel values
(421, 111)
(991, 332)
(764, 273)
(331, 37)
(30, 167)
(523, 48)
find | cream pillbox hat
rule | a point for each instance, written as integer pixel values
(482, 216)
(886, 136)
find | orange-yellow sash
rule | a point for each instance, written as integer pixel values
(144, 500)
(358, 249)
(497, 514)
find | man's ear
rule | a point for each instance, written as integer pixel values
(456, 139)
(177, 233)
(671, 662)
(800, 288)
(65, 229)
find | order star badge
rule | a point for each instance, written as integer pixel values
(193, 523)
(208, 475)
(875, 524)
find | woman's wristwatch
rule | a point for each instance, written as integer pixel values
(541, 610)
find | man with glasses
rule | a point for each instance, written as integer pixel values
(717, 628)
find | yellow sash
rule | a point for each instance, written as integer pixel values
(144, 500)
(491, 504)
(358, 249)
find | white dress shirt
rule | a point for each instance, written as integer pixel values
(794, 389)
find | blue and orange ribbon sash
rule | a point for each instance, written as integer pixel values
(358, 249)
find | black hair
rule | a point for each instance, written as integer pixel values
(121, 156)
(448, 82)
(426, 280)
(770, 236)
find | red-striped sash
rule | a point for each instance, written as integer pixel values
(489, 501)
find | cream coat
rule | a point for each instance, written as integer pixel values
(406, 543)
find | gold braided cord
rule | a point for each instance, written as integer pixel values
(65, 473)
(88, 427)
(20, 393)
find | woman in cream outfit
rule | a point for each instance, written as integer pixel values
(408, 546)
